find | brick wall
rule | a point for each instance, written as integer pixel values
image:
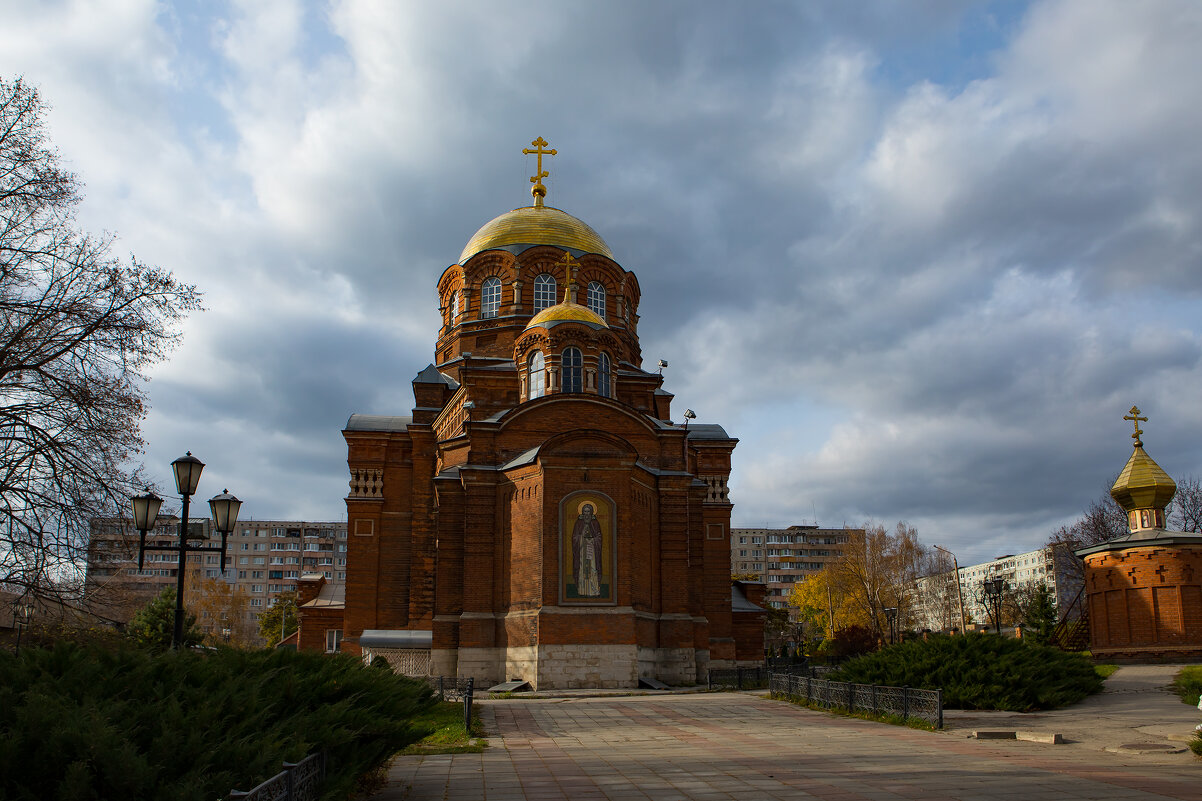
(1145, 601)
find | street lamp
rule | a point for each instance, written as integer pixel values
(22, 615)
(225, 508)
(993, 589)
(891, 618)
(959, 592)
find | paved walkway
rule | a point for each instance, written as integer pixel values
(742, 746)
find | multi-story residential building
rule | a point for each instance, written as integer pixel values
(780, 557)
(937, 606)
(264, 558)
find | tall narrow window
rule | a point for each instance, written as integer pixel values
(454, 307)
(596, 298)
(544, 291)
(571, 367)
(603, 379)
(536, 374)
(490, 297)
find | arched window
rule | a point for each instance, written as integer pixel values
(596, 298)
(454, 307)
(544, 291)
(490, 297)
(536, 374)
(571, 368)
(604, 383)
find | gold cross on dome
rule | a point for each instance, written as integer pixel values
(1134, 417)
(570, 266)
(538, 190)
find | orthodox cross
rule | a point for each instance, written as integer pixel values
(570, 266)
(538, 190)
(1134, 417)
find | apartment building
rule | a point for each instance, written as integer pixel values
(1057, 568)
(780, 557)
(264, 558)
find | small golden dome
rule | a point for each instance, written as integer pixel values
(566, 312)
(536, 225)
(1143, 484)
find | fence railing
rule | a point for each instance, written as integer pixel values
(299, 781)
(905, 702)
(450, 688)
(744, 678)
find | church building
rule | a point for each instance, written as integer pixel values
(540, 515)
(1144, 589)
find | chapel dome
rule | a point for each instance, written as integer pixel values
(565, 312)
(1143, 484)
(536, 225)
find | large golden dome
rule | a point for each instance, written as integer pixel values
(536, 225)
(566, 312)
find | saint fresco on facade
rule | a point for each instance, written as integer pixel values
(586, 549)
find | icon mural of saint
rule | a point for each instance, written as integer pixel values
(586, 551)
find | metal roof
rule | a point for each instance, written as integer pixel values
(376, 422)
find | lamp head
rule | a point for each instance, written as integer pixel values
(225, 511)
(689, 414)
(146, 510)
(187, 473)
(23, 611)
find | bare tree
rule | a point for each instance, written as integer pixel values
(1185, 512)
(78, 329)
(1102, 521)
(878, 570)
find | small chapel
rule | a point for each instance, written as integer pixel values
(1144, 589)
(540, 515)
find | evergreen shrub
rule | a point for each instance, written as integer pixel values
(80, 722)
(980, 671)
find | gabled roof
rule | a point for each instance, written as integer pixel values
(739, 602)
(431, 375)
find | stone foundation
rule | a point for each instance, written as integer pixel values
(566, 667)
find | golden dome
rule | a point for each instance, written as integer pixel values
(536, 225)
(566, 312)
(1143, 484)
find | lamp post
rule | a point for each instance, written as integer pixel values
(283, 604)
(22, 615)
(959, 592)
(891, 618)
(993, 589)
(224, 507)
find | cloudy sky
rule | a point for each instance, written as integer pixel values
(919, 257)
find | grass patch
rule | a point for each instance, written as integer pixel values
(445, 722)
(893, 720)
(980, 671)
(1105, 671)
(1188, 684)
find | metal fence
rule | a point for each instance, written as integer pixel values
(744, 678)
(450, 688)
(905, 702)
(299, 781)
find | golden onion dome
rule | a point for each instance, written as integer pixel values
(565, 312)
(1143, 484)
(535, 225)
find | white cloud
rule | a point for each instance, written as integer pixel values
(930, 299)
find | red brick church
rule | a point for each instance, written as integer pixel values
(540, 515)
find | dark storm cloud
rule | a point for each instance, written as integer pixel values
(920, 257)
